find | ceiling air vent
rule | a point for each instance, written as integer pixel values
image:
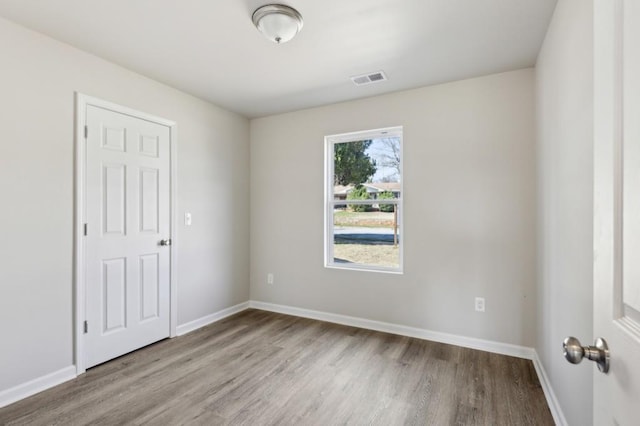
(374, 77)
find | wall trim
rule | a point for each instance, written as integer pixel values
(209, 319)
(32, 387)
(549, 394)
(402, 330)
(11, 395)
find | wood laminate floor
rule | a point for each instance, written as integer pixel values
(258, 368)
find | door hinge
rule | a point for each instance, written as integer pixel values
(84, 229)
(86, 327)
(86, 132)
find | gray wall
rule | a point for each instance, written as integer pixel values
(39, 78)
(564, 93)
(469, 181)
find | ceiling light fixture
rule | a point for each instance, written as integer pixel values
(278, 23)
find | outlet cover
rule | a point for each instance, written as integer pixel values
(479, 304)
(269, 278)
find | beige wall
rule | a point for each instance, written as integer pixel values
(469, 181)
(38, 79)
(564, 93)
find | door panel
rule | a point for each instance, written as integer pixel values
(617, 208)
(149, 145)
(149, 287)
(149, 196)
(128, 213)
(114, 294)
(114, 138)
(115, 193)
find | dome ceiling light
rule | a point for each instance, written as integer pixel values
(278, 23)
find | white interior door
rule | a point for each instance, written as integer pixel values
(617, 209)
(127, 212)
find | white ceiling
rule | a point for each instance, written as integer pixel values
(211, 49)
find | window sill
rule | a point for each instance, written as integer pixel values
(365, 268)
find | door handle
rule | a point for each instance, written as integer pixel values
(165, 242)
(573, 352)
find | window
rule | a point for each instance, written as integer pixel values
(363, 200)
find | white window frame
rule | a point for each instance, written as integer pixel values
(330, 202)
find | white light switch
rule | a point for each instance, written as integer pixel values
(187, 219)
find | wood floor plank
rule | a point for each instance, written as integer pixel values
(262, 368)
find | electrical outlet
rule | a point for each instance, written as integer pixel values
(187, 219)
(479, 304)
(269, 278)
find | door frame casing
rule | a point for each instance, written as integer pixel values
(82, 102)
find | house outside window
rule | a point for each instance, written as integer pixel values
(363, 200)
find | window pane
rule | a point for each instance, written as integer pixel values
(367, 238)
(364, 200)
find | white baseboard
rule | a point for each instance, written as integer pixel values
(39, 384)
(34, 386)
(209, 319)
(452, 339)
(436, 336)
(549, 394)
